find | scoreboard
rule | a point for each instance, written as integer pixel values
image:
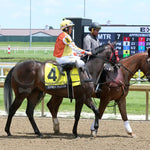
(127, 43)
(130, 39)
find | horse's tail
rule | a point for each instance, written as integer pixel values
(8, 94)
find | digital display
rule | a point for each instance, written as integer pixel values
(130, 39)
(127, 43)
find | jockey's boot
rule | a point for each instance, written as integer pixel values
(60, 68)
(85, 71)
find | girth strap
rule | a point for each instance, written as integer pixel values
(67, 67)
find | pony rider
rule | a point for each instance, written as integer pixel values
(65, 49)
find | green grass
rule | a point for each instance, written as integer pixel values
(136, 104)
(27, 44)
(136, 101)
(23, 54)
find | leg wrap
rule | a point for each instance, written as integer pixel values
(127, 127)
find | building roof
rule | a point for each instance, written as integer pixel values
(26, 32)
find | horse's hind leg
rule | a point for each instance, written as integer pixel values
(78, 108)
(53, 106)
(12, 110)
(33, 99)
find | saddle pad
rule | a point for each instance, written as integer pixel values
(54, 80)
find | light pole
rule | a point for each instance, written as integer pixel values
(84, 8)
(30, 26)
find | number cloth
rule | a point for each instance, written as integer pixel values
(54, 80)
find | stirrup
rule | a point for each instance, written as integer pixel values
(60, 70)
(97, 90)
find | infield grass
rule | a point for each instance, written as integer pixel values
(136, 101)
(136, 104)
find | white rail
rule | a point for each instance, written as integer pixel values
(27, 48)
(2, 66)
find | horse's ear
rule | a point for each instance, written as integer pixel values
(109, 42)
(148, 51)
(114, 43)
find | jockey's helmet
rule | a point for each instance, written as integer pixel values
(94, 26)
(66, 23)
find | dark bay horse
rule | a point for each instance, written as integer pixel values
(27, 81)
(115, 86)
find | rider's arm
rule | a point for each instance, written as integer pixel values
(68, 41)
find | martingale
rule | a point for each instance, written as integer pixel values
(54, 80)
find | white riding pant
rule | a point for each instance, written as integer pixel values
(71, 59)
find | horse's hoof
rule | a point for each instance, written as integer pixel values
(132, 135)
(40, 135)
(56, 132)
(77, 137)
(56, 129)
(9, 134)
(94, 133)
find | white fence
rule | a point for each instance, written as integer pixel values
(27, 48)
(10, 65)
(2, 66)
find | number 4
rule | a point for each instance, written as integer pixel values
(52, 74)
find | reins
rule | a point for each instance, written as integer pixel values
(121, 65)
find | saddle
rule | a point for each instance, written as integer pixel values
(62, 76)
(67, 67)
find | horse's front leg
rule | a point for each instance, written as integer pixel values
(95, 124)
(78, 108)
(53, 106)
(122, 109)
(102, 107)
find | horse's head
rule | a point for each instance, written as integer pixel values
(146, 65)
(148, 62)
(105, 50)
(99, 56)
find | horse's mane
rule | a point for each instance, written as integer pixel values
(99, 49)
(133, 56)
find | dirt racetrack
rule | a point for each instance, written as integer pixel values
(111, 135)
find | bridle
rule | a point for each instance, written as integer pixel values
(98, 50)
(105, 61)
(147, 75)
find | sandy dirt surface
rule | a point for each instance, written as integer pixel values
(111, 135)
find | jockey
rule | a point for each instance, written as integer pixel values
(65, 49)
(91, 41)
